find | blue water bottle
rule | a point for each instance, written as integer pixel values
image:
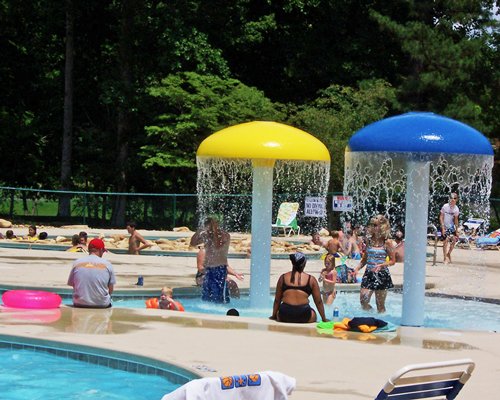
(335, 314)
(140, 281)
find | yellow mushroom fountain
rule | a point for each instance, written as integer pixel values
(262, 144)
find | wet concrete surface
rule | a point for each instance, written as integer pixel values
(345, 365)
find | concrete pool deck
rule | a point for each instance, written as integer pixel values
(351, 366)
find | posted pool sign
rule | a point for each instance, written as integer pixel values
(315, 207)
(342, 203)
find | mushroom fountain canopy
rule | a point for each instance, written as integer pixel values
(420, 132)
(460, 157)
(226, 160)
(265, 141)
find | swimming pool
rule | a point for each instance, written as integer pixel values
(440, 312)
(39, 372)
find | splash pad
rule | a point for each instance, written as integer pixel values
(230, 159)
(416, 154)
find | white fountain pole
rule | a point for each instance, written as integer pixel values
(417, 204)
(260, 265)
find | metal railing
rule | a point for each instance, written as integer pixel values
(148, 210)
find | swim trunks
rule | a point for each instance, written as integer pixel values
(214, 285)
(450, 232)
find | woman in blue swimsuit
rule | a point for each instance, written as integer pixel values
(377, 258)
(291, 302)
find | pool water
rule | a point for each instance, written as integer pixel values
(440, 312)
(27, 374)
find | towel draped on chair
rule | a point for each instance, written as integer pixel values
(267, 385)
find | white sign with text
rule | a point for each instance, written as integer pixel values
(342, 203)
(315, 207)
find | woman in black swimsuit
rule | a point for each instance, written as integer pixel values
(291, 302)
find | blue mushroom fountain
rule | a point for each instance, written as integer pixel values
(416, 153)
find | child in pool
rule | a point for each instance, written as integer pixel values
(329, 278)
(167, 302)
(31, 233)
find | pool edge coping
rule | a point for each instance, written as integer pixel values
(120, 360)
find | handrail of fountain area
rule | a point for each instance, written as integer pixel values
(435, 233)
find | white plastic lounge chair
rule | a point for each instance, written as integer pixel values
(436, 380)
(287, 219)
(474, 225)
(471, 228)
(267, 385)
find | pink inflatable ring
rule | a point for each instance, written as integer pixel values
(31, 299)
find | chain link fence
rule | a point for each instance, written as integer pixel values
(148, 210)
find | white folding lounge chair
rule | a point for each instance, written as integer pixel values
(436, 380)
(287, 219)
(474, 225)
(471, 228)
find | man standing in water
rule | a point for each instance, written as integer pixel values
(216, 243)
(136, 242)
(448, 219)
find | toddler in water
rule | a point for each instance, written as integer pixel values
(167, 302)
(329, 278)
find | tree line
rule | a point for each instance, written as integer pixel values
(116, 95)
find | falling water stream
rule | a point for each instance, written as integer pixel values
(225, 189)
(378, 184)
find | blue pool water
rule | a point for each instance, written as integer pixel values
(29, 375)
(440, 312)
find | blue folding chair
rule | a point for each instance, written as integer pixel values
(436, 380)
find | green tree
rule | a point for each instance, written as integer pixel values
(338, 112)
(448, 69)
(438, 55)
(30, 37)
(291, 49)
(64, 207)
(190, 108)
